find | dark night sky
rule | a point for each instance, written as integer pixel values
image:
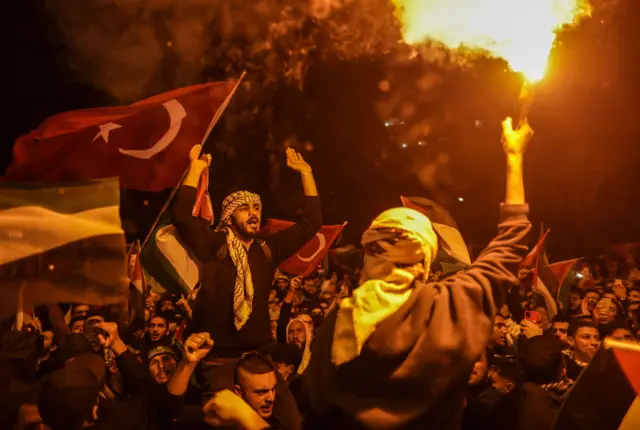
(581, 170)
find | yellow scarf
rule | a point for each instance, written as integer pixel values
(400, 246)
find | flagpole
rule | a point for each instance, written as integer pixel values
(214, 121)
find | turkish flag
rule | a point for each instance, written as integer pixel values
(311, 254)
(145, 144)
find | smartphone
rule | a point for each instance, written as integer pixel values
(532, 316)
(606, 303)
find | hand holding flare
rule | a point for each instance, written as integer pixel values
(515, 141)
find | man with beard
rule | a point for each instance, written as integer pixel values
(163, 361)
(158, 329)
(157, 334)
(575, 302)
(280, 285)
(237, 268)
(299, 334)
(590, 299)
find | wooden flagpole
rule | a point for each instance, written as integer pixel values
(214, 121)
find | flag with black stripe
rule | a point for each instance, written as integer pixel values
(605, 396)
(61, 243)
(455, 251)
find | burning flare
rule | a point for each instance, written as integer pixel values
(522, 32)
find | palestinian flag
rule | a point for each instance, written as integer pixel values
(61, 244)
(561, 271)
(605, 396)
(531, 260)
(454, 247)
(138, 282)
(170, 263)
(135, 272)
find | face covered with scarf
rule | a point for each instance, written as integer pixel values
(400, 246)
(242, 211)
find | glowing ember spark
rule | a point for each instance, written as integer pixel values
(522, 32)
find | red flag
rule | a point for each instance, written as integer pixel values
(531, 260)
(146, 144)
(203, 208)
(562, 268)
(605, 396)
(311, 254)
(136, 275)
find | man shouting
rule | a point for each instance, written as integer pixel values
(237, 267)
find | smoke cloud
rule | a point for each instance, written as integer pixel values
(131, 48)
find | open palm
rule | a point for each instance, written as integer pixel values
(296, 162)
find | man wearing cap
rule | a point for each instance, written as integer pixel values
(399, 352)
(163, 361)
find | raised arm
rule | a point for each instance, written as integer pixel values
(195, 232)
(196, 347)
(515, 143)
(287, 242)
(493, 271)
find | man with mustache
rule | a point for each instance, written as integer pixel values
(237, 268)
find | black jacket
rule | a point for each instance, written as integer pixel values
(213, 309)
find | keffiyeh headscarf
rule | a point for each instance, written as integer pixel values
(233, 202)
(306, 353)
(400, 246)
(243, 290)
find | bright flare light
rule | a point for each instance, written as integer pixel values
(522, 32)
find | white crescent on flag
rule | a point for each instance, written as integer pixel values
(176, 115)
(322, 243)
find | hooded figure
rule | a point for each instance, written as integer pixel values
(399, 352)
(400, 246)
(306, 351)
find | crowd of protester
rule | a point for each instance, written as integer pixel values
(396, 343)
(523, 375)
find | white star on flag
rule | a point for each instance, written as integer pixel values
(105, 129)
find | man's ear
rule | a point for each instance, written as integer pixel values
(237, 390)
(571, 341)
